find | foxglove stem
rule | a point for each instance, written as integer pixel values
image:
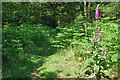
(85, 33)
(96, 35)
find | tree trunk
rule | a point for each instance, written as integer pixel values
(58, 21)
(85, 8)
(40, 12)
(89, 10)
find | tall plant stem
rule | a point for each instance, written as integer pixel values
(86, 37)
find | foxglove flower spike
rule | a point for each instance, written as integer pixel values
(85, 27)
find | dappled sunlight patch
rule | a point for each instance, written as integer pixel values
(63, 62)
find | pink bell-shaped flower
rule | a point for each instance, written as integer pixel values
(85, 27)
(97, 14)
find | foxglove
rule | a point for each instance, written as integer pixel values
(85, 27)
(100, 39)
(97, 14)
(100, 35)
(105, 56)
(94, 38)
(98, 30)
(104, 59)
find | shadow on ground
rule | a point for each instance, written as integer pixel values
(49, 75)
(22, 68)
(18, 69)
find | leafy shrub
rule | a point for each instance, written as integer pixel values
(70, 35)
(24, 39)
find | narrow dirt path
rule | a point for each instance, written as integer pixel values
(35, 74)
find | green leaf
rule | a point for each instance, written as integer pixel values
(114, 58)
(87, 52)
(107, 73)
(96, 68)
(89, 60)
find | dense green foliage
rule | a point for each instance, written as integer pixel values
(24, 37)
(54, 32)
(21, 41)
